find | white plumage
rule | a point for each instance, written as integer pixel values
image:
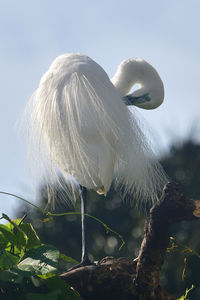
(81, 123)
(138, 71)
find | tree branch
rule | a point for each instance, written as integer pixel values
(124, 278)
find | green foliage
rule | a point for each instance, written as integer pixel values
(182, 165)
(185, 297)
(184, 250)
(29, 270)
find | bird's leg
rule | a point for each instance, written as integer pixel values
(84, 259)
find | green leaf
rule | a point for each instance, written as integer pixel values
(33, 239)
(40, 260)
(13, 227)
(3, 241)
(14, 275)
(11, 276)
(22, 239)
(184, 297)
(7, 260)
(68, 259)
(8, 235)
(11, 223)
(18, 239)
(46, 276)
(49, 296)
(57, 283)
(36, 281)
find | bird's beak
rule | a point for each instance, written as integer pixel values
(132, 100)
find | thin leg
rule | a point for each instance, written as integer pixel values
(84, 260)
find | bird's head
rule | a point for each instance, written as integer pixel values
(130, 72)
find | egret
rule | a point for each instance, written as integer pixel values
(80, 120)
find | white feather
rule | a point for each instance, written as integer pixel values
(83, 130)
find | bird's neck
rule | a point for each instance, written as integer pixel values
(129, 73)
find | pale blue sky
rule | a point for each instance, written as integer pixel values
(33, 33)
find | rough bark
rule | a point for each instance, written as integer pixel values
(123, 278)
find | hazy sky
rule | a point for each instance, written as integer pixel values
(33, 33)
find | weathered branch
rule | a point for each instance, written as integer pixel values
(124, 278)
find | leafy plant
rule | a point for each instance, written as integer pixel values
(175, 245)
(185, 297)
(29, 270)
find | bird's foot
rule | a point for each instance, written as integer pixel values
(83, 263)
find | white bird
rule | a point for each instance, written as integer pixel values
(80, 120)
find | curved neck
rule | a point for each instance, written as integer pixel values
(138, 71)
(129, 73)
